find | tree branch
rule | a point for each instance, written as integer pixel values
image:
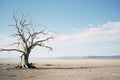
(12, 50)
(33, 34)
(20, 26)
(43, 45)
(41, 41)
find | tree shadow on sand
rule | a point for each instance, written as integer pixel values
(51, 66)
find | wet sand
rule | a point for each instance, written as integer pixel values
(63, 70)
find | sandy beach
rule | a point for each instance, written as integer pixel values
(63, 70)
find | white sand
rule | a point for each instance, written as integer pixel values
(63, 70)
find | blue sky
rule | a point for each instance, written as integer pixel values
(86, 27)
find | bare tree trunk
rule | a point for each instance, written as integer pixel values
(24, 61)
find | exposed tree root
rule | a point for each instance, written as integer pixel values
(29, 66)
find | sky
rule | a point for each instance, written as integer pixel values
(85, 27)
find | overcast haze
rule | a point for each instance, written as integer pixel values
(86, 27)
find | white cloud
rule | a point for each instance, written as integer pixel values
(5, 42)
(109, 31)
(65, 45)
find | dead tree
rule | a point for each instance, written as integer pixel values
(28, 38)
